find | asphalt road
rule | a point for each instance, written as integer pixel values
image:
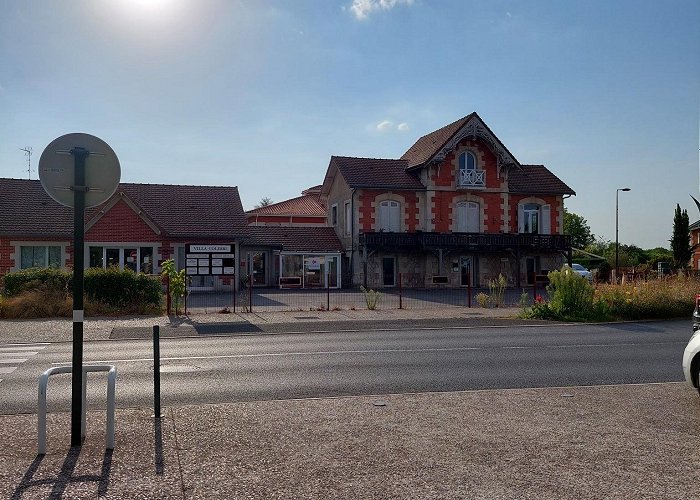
(263, 367)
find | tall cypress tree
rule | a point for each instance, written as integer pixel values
(680, 241)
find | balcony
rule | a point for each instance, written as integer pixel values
(465, 241)
(472, 178)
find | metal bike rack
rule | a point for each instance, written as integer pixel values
(111, 404)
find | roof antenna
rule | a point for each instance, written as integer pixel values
(28, 154)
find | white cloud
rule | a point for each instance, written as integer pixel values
(385, 125)
(363, 8)
(402, 127)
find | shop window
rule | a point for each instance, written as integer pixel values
(40, 256)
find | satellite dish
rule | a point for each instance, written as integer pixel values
(57, 169)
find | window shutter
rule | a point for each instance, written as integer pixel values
(521, 219)
(383, 208)
(545, 220)
(473, 218)
(460, 218)
(395, 217)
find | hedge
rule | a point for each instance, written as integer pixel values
(109, 286)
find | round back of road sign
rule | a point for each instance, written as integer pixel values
(57, 169)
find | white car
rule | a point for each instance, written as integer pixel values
(579, 269)
(691, 360)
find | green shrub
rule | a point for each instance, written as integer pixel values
(483, 299)
(122, 289)
(371, 298)
(38, 293)
(178, 283)
(571, 294)
(30, 279)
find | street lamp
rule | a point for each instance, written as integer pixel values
(617, 243)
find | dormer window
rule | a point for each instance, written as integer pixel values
(469, 174)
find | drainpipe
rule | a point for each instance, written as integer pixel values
(352, 234)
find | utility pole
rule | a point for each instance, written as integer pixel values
(28, 154)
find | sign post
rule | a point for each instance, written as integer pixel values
(65, 177)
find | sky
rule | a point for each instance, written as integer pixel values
(260, 93)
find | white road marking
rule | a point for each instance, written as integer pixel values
(9, 355)
(363, 351)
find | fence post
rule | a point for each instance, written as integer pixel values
(235, 277)
(469, 289)
(328, 293)
(400, 291)
(156, 371)
(250, 293)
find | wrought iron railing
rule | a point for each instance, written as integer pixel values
(472, 177)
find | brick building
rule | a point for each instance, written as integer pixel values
(456, 209)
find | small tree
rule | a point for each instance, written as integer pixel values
(578, 228)
(680, 240)
(178, 286)
(264, 202)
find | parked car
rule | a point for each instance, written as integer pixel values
(691, 360)
(579, 269)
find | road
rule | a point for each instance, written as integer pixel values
(282, 366)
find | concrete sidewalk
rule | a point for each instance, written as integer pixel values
(589, 442)
(103, 328)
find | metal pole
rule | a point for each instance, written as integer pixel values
(469, 289)
(79, 155)
(328, 292)
(250, 293)
(234, 292)
(400, 291)
(617, 243)
(156, 371)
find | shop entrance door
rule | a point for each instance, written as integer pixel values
(257, 268)
(466, 271)
(389, 271)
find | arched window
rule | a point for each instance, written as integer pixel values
(390, 216)
(534, 218)
(469, 174)
(467, 217)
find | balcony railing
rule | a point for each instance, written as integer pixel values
(472, 177)
(467, 241)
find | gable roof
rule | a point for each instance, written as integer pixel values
(295, 239)
(433, 144)
(536, 179)
(301, 205)
(179, 211)
(380, 173)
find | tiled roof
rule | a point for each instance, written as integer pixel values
(312, 190)
(179, 211)
(378, 173)
(302, 205)
(295, 239)
(425, 147)
(536, 179)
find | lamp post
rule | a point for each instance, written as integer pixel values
(617, 243)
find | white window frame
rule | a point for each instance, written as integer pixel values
(348, 218)
(467, 217)
(390, 216)
(470, 177)
(334, 214)
(155, 269)
(542, 216)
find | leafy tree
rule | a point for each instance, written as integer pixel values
(578, 228)
(680, 240)
(264, 202)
